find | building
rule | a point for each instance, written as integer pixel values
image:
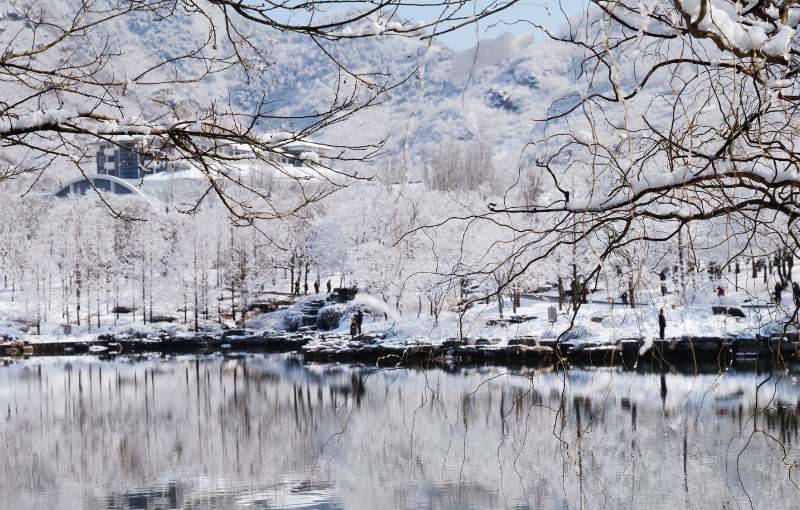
(123, 165)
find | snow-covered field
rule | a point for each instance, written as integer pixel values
(602, 320)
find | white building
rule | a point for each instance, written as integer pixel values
(124, 166)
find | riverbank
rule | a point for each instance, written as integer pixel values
(316, 327)
(335, 347)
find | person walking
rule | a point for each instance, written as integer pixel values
(353, 327)
(662, 324)
(778, 290)
(329, 286)
(305, 288)
(796, 294)
(720, 292)
(359, 320)
(316, 286)
(297, 287)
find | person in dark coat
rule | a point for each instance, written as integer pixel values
(329, 286)
(624, 298)
(359, 319)
(353, 327)
(796, 294)
(316, 286)
(662, 324)
(297, 287)
(778, 290)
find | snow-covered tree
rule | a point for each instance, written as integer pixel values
(78, 73)
(677, 144)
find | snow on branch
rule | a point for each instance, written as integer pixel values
(66, 120)
(741, 35)
(655, 183)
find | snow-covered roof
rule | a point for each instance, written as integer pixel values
(106, 183)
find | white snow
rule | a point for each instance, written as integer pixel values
(585, 137)
(735, 35)
(310, 157)
(277, 137)
(36, 119)
(488, 52)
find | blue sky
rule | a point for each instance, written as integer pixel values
(513, 19)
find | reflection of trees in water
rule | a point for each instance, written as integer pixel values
(225, 429)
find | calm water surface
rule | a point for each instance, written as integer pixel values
(271, 432)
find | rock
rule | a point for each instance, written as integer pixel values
(262, 307)
(163, 318)
(343, 295)
(233, 332)
(523, 340)
(576, 333)
(451, 342)
(308, 320)
(731, 311)
(328, 317)
(291, 322)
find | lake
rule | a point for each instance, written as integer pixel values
(257, 431)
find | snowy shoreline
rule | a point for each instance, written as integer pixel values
(336, 347)
(317, 327)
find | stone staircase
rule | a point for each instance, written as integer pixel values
(310, 311)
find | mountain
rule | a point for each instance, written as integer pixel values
(496, 103)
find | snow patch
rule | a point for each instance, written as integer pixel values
(488, 52)
(585, 137)
(311, 157)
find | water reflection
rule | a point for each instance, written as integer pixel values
(178, 496)
(267, 432)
